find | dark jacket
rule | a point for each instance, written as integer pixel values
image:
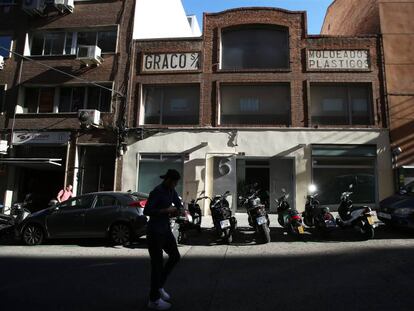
(160, 198)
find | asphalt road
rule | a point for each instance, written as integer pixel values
(340, 274)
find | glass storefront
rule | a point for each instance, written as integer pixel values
(152, 166)
(335, 167)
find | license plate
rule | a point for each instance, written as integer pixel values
(261, 220)
(370, 220)
(301, 230)
(225, 224)
(384, 215)
(330, 223)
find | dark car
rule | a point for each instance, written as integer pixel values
(114, 215)
(398, 210)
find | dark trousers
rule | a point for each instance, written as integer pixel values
(157, 243)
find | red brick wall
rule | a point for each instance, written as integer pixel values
(210, 76)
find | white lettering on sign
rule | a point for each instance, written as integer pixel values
(171, 62)
(338, 60)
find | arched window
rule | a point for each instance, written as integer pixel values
(255, 47)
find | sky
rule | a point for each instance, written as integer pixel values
(315, 8)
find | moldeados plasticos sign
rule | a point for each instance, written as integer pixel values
(170, 62)
(338, 60)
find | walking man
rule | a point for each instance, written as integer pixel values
(163, 203)
(65, 194)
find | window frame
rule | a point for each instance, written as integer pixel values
(371, 106)
(219, 66)
(57, 98)
(248, 83)
(142, 105)
(374, 167)
(74, 44)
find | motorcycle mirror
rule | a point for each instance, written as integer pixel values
(351, 186)
(202, 192)
(240, 198)
(227, 192)
(403, 191)
(283, 190)
(312, 188)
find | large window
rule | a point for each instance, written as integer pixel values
(67, 99)
(255, 104)
(172, 105)
(65, 43)
(336, 167)
(255, 47)
(152, 166)
(5, 42)
(341, 104)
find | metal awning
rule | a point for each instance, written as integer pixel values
(32, 162)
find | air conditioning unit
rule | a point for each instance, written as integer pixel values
(89, 55)
(34, 7)
(62, 5)
(1, 62)
(4, 145)
(88, 117)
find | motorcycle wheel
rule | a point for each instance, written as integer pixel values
(264, 232)
(368, 232)
(228, 236)
(292, 229)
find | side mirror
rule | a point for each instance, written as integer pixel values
(202, 192)
(283, 190)
(227, 192)
(240, 198)
(351, 186)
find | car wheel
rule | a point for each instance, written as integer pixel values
(33, 235)
(120, 234)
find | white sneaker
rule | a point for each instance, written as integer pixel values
(164, 295)
(159, 305)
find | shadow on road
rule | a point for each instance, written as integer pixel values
(372, 279)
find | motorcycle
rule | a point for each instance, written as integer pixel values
(316, 216)
(288, 217)
(224, 223)
(18, 213)
(189, 219)
(358, 217)
(257, 215)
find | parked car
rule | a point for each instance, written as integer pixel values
(398, 210)
(114, 215)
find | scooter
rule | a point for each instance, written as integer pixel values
(257, 215)
(224, 222)
(18, 213)
(288, 217)
(189, 219)
(316, 216)
(358, 217)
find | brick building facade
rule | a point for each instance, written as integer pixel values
(39, 116)
(257, 99)
(393, 23)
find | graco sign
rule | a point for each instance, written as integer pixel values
(171, 62)
(338, 60)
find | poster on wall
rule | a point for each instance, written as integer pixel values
(224, 176)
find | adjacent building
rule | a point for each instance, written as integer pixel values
(65, 57)
(393, 22)
(258, 100)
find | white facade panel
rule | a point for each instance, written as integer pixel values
(155, 19)
(255, 144)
